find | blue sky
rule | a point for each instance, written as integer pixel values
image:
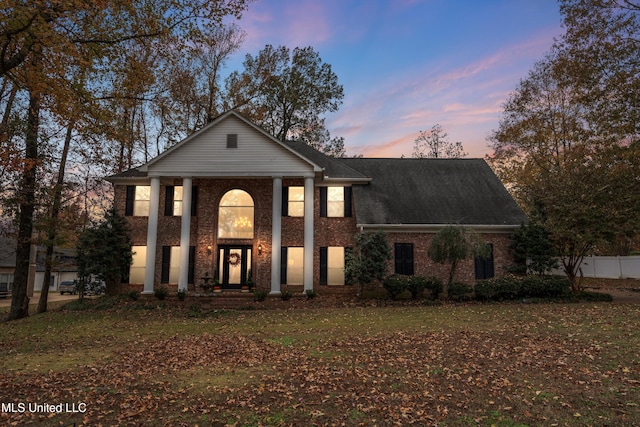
(408, 64)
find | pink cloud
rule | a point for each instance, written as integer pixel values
(308, 23)
(296, 24)
(390, 148)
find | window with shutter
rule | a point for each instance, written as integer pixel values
(404, 258)
(484, 267)
(335, 202)
(332, 261)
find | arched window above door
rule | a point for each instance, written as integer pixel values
(235, 215)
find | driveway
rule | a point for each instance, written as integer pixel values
(53, 296)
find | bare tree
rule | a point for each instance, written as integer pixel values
(435, 143)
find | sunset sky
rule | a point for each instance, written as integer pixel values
(408, 64)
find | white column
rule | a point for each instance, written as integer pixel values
(152, 236)
(308, 233)
(185, 233)
(276, 235)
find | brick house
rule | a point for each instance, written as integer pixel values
(233, 202)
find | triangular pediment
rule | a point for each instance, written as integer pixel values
(206, 153)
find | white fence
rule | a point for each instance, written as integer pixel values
(609, 267)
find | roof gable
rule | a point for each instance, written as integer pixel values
(205, 153)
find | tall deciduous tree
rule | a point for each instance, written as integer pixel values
(435, 143)
(287, 93)
(43, 42)
(567, 144)
(191, 87)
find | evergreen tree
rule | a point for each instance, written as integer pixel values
(368, 262)
(104, 251)
(532, 250)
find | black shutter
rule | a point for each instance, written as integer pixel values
(398, 258)
(283, 265)
(347, 201)
(166, 263)
(130, 197)
(285, 201)
(479, 268)
(324, 264)
(408, 259)
(489, 264)
(192, 265)
(194, 201)
(323, 201)
(348, 253)
(168, 200)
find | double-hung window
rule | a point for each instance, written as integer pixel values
(335, 202)
(292, 266)
(173, 200)
(293, 201)
(332, 262)
(170, 269)
(137, 200)
(137, 269)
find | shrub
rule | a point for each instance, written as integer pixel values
(435, 286)
(499, 289)
(181, 294)
(512, 287)
(161, 293)
(460, 291)
(545, 286)
(395, 285)
(416, 285)
(286, 295)
(134, 295)
(310, 293)
(260, 295)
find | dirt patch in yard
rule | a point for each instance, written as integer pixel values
(622, 290)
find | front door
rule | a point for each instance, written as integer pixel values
(234, 265)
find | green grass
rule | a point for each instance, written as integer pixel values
(495, 364)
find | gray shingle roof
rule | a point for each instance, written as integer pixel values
(431, 191)
(130, 173)
(333, 168)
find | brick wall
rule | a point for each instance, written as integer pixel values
(465, 271)
(327, 232)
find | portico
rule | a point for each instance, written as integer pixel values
(242, 154)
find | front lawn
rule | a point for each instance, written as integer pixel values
(464, 365)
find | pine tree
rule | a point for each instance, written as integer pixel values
(104, 251)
